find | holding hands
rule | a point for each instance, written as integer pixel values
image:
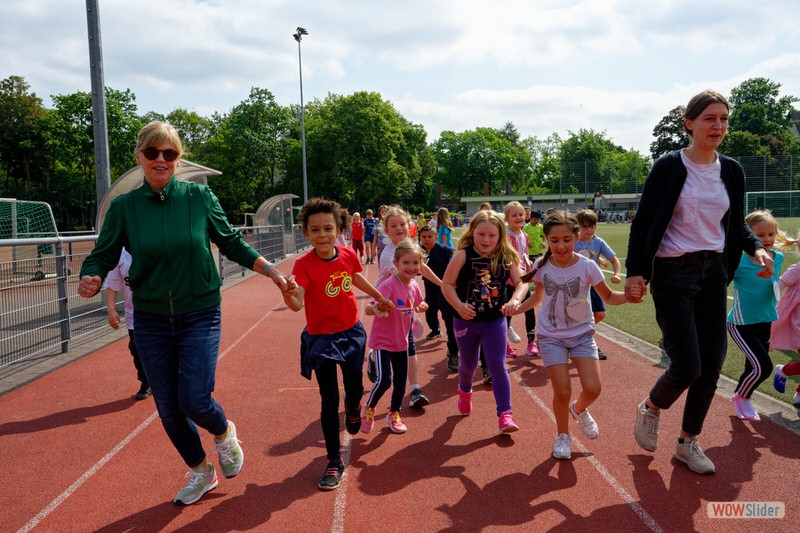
(88, 286)
(511, 307)
(764, 259)
(635, 289)
(286, 284)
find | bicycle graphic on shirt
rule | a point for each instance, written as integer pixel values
(335, 286)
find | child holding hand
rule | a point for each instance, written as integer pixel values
(474, 285)
(396, 222)
(515, 218)
(753, 311)
(786, 330)
(334, 336)
(388, 337)
(566, 325)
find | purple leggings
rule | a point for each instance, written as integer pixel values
(492, 337)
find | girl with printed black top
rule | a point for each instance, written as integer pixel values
(473, 284)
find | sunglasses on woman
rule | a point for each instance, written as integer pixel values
(151, 153)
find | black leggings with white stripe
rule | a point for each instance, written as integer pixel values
(753, 340)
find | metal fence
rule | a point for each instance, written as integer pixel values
(39, 307)
(764, 173)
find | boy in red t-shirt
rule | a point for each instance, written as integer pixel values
(334, 336)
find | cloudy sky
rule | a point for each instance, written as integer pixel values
(548, 66)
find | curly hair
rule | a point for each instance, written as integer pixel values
(322, 205)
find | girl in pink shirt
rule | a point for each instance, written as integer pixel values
(389, 334)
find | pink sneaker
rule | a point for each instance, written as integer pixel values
(510, 352)
(532, 349)
(506, 423)
(395, 424)
(744, 408)
(367, 419)
(464, 402)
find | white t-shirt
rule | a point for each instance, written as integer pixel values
(696, 223)
(566, 288)
(117, 280)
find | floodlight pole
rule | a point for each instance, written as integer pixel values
(299, 37)
(99, 122)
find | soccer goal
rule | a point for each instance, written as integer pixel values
(782, 203)
(21, 220)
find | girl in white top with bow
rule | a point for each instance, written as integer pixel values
(566, 325)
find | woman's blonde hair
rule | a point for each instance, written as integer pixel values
(503, 253)
(157, 133)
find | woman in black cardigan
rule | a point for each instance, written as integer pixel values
(686, 241)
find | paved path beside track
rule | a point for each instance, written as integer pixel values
(81, 455)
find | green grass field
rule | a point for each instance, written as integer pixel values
(639, 320)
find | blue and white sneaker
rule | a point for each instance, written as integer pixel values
(779, 380)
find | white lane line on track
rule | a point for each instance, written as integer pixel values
(598, 466)
(52, 506)
(339, 505)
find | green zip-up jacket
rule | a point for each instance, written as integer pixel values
(169, 235)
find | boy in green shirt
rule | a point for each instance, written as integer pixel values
(536, 236)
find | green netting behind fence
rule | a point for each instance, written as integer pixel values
(20, 219)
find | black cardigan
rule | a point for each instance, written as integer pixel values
(659, 198)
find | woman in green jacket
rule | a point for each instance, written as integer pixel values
(168, 225)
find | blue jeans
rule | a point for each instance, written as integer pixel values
(179, 355)
(690, 297)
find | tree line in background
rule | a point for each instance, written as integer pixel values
(360, 150)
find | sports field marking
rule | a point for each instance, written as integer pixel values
(341, 493)
(52, 506)
(598, 466)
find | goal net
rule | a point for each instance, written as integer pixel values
(21, 220)
(782, 204)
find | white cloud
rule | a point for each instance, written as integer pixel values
(547, 66)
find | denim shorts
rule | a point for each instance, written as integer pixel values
(555, 351)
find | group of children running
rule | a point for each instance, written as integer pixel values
(478, 288)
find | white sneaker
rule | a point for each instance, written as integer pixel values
(646, 428)
(691, 454)
(562, 449)
(512, 335)
(585, 422)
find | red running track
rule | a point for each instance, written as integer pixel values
(81, 455)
